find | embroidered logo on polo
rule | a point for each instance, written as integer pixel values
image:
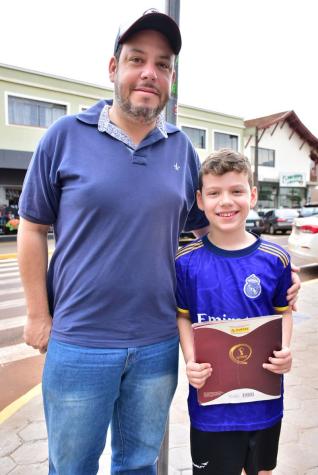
(176, 166)
(252, 287)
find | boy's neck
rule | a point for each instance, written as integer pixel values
(232, 241)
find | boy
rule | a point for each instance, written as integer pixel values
(231, 273)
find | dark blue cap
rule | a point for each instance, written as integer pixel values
(152, 20)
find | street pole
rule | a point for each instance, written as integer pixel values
(173, 10)
(256, 159)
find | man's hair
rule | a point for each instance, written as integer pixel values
(117, 53)
(223, 161)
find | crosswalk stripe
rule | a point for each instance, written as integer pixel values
(10, 281)
(7, 261)
(8, 266)
(12, 303)
(15, 290)
(15, 322)
(9, 274)
(12, 353)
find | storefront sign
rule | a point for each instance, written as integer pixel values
(292, 179)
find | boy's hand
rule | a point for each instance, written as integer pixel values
(198, 373)
(292, 292)
(281, 361)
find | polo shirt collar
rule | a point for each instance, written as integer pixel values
(99, 115)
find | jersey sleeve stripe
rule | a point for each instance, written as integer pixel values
(189, 248)
(281, 309)
(276, 252)
(182, 310)
(277, 249)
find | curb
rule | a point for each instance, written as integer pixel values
(8, 256)
(20, 402)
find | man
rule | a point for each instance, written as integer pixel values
(118, 184)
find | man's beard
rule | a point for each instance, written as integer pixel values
(144, 114)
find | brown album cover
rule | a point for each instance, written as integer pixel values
(236, 350)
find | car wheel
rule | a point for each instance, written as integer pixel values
(271, 229)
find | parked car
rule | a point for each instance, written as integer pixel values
(254, 222)
(263, 211)
(279, 220)
(308, 209)
(303, 240)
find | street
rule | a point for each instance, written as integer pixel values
(20, 365)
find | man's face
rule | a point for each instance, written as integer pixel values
(143, 75)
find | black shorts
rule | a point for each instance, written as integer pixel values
(227, 453)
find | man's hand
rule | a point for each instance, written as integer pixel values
(37, 332)
(281, 362)
(198, 373)
(292, 293)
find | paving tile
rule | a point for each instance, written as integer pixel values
(302, 393)
(289, 432)
(6, 465)
(309, 438)
(283, 469)
(302, 458)
(31, 469)
(180, 459)
(9, 442)
(31, 452)
(307, 416)
(179, 435)
(34, 431)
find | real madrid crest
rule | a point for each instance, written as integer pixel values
(252, 287)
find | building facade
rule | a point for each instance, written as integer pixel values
(287, 160)
(30, 102)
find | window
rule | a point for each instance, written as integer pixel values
(266, 157)
(222, 140)
(197, 136)
(23, 111)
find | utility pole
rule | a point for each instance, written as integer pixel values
(256, 159)
(173, 10)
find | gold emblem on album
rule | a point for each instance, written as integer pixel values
(240, 354)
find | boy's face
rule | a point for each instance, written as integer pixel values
(226, 200)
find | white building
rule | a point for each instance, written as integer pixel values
(287, 159)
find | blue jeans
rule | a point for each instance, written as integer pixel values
(86, 389)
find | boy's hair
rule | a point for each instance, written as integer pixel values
(223, 161)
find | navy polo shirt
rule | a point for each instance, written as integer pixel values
(117, 213)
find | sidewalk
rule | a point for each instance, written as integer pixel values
(23, 444)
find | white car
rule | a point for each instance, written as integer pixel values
(303, 240)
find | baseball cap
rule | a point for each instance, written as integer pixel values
(152, 19)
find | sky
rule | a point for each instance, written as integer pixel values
(247, 58)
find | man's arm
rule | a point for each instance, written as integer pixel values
(197, 373)
(33, 261)
(292, 293)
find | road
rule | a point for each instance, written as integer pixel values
(20, 365)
